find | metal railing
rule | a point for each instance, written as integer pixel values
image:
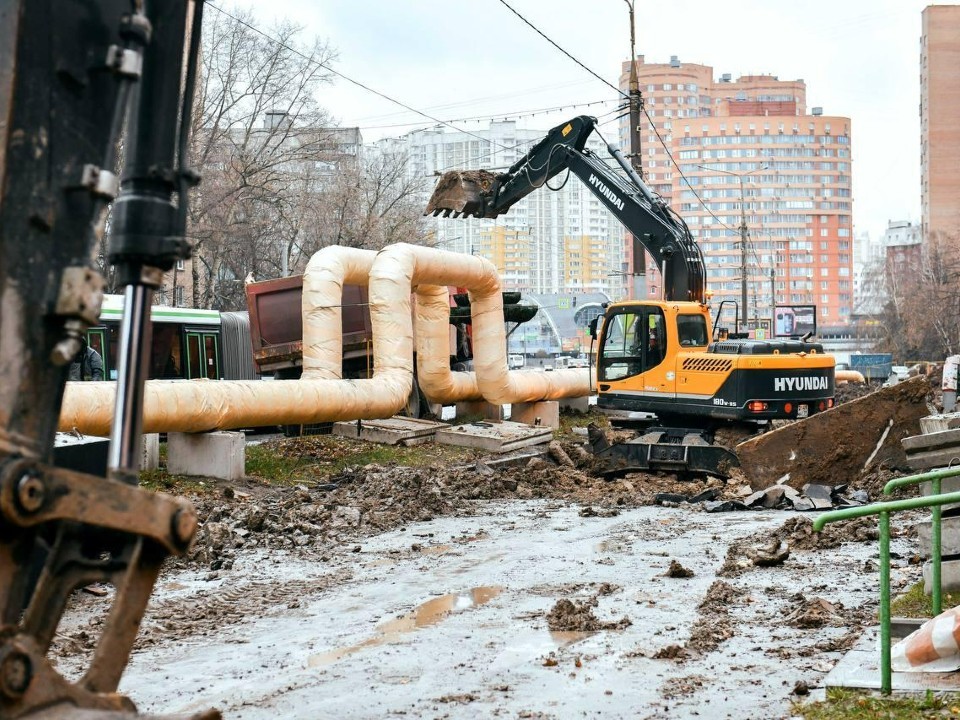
(884, 509)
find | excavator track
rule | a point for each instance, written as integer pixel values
(679, 450)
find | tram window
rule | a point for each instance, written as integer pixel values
(165, 357)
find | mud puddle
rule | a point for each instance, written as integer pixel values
(426, 614)
(465, 656)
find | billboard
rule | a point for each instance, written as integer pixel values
(794, 320)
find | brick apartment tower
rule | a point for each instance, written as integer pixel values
(940, 120)
(750, 141)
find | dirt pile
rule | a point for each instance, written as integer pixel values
(814, 613)
(839, 443)
(796, 533)
(714, 625)
(572, 616)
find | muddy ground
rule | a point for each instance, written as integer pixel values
(537, 591)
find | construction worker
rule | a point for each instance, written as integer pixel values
(87, 364)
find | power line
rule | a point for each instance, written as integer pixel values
(501, 116)
(359, 84)
(541, 34)
(647, 114)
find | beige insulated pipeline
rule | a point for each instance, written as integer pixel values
(201, 405)
(400, 267)
(437, 381)
(327, 272)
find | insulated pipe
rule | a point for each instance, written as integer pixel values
(199, 406)
(844, 376)
(437, 381)
(401, 267)
(327, 272)
(203, 405)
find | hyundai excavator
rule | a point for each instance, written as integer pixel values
(661, 358)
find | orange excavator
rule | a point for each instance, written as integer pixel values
(663, 365)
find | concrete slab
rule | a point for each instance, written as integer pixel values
(390, 431)
(538, 414)
(860, 669)
(215, 454)
(494, 437)
(150, 452)
(938, 423)
(949, 537)
(949, 576)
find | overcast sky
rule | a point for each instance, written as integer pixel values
(467, 58)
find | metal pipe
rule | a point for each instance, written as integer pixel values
(136, 333)
(886, 673)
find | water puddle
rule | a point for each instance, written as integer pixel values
(434, 549)
(566, 638)
(429, 613)
(613, 545)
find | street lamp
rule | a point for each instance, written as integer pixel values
(743, 234)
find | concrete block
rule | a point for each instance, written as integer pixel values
(939, 423)
(539, 414)
(215, 454)
(391, 431)
(494, 437)
(949, 537)
(949, 576)
(580, 404)
(494, 413)
(150, 452)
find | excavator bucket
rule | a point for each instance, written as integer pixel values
(462, 192)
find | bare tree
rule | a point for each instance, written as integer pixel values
(921, 313)
(279, 182)
(370, 205)
(258, 131)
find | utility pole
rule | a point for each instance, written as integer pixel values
(743, 258)
(773, 299)
(636, 101)
(639, 269)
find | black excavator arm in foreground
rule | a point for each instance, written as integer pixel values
(664, 235)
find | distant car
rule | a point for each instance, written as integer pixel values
(563, 363)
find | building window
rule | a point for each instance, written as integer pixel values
(180, 264)
(824, 232)
(178, 296)
(824, 312)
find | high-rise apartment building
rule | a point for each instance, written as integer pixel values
(748, 152)
(550, 242)
(939, 129)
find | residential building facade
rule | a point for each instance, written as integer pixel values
(939, 129)
(548, 242)
(749, 153)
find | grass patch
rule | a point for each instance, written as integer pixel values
(315, 459)
(849, 705)
(915, 604)
(310, 460)
(571, 420)
(162, 481)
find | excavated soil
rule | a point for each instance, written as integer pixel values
(572, 616)
(841, 444)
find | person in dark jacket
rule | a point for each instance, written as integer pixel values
(87, 364)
